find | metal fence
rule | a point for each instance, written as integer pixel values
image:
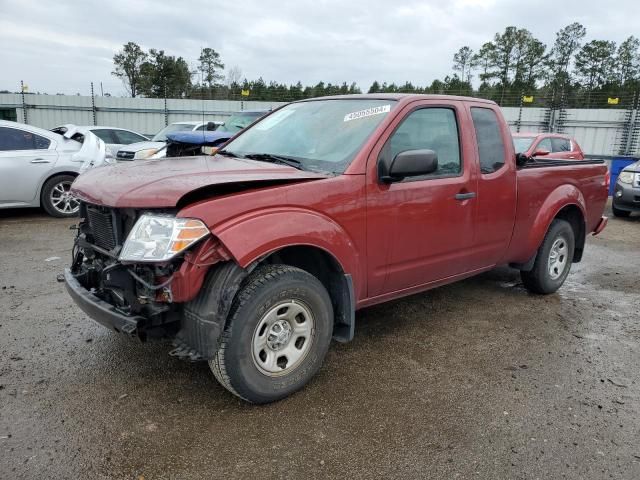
(601, 132)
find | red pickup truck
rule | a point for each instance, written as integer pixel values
(255, 258)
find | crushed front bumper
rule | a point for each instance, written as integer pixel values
(99, 310)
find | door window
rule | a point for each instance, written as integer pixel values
(545, 144)
(14, 139)
(560, 145)
(125, 137)
(429, 129)
(104, 134)
(489, 138)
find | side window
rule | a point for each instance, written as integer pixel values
(431, 129)
(127, 138)
(545, 144)
(489, 137)
(561, 145)
(14, 139)
(105, 135)
(201, 128)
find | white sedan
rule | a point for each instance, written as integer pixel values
(37, 166)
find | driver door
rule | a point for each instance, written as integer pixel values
(421, 229)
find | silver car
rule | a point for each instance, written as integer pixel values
(37, 166)
(626, 194)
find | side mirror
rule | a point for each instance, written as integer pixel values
(541, 153)
(211, 126)
(522, 159)
(411, 163)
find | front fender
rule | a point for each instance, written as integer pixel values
(259, 233)
(561, 197)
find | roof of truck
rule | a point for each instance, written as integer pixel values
(400, 96)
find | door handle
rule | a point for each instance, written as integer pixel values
(465, 196)
(40, 160)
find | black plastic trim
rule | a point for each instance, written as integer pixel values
(99, 310)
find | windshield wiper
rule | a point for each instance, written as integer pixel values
(227, 153)
(270, 157)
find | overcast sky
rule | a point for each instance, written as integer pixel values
(61, 46)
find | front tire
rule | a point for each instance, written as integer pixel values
(56, 198)
(553, 260)
(277, 336)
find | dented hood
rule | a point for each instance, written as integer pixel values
(162, 183)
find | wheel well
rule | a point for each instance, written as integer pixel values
(573, 215)
(57, 174)
(328, 270)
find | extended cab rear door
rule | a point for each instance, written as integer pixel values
(496, 200)
(422, 229)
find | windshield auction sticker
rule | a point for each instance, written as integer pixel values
(367, 113)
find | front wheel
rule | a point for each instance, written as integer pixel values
(553, 260)
(277, 336)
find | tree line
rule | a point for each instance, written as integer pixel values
(514, 63)
(155, 74)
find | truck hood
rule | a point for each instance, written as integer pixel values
(162, 183)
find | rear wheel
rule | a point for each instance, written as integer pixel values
(620, 213)
(553, 260)
(56, 197)
(278, 333)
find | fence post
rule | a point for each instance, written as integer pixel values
(166, 111)
(93, 106)
(519, 121)
(24, 103)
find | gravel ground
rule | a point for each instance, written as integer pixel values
(474, 380)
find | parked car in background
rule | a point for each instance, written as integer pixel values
(116, 138)
(255, 258)
(146, 148)
(199, 137)
(626, 193)
(541, 144)
(38, 166)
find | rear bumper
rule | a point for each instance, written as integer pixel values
(99, 310)
(601, 225)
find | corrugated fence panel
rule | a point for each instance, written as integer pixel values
(597, 130)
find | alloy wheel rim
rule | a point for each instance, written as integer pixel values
(558, 258)
(62, 200)
(283, 338)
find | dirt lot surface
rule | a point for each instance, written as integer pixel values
(475, 380)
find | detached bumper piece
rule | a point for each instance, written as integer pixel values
(601, 225)
(99, 310)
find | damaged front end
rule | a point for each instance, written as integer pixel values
(139, 273)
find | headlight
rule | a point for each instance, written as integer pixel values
(146, 153)
(157, 238)
(625, 177)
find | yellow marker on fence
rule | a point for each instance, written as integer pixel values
(527, 99)
(245, 93)
(613, 101)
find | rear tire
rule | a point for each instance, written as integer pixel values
(56, 199)
(277, 335)
(620, 213)
(553, 260)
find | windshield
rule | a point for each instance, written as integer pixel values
(161, 136)
(237, 122)
(320, 134)
(522, 144)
